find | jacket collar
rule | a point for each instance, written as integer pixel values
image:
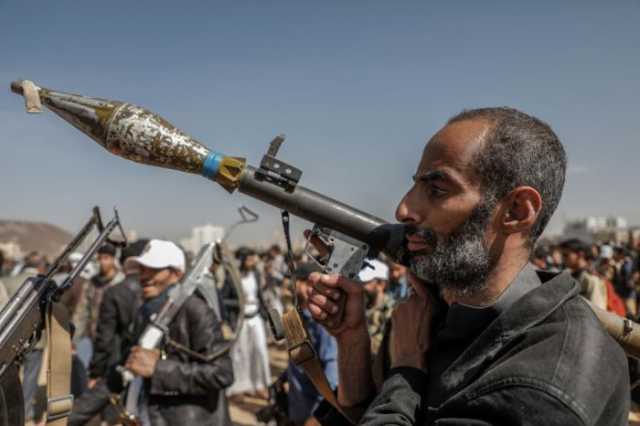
(526, 312)
(464, 322)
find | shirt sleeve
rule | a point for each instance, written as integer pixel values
(327, 350)
(400, 399)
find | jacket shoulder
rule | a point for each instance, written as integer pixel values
(119, 291)
(571, 357)
(196, 307)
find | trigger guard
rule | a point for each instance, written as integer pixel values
(321, 233)
(346, 254)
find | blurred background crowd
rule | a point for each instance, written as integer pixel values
(105, 297)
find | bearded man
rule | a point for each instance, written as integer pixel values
(484, 339)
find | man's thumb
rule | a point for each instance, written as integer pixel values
(349, 286)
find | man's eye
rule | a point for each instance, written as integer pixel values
(436, 191)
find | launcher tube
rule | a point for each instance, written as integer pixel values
(312, 206)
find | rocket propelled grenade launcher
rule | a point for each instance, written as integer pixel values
(142, 136)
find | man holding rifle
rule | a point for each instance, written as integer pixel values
(483, 339)
(182, 386)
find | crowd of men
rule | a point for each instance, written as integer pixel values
(110, 307)
(609, 274)
(114, 297)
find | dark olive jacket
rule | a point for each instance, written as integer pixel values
(184, 389)
(117, 312)
(545, 361)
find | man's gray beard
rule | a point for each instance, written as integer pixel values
(460, 263)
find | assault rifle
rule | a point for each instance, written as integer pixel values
(22, 322)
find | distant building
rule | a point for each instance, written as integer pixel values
(201, 235)
(599, 228)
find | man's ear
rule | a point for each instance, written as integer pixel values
(521, 209)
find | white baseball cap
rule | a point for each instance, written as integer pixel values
(378, 271)
(606, 252)
(159, 254)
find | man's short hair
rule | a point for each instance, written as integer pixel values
(243, 252)
(519, 150)
(540, 252)
(576, 245)
(620, 250)
(275, 248)
(107, 248)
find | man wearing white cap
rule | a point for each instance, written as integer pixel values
(375, 277)
(182, 386)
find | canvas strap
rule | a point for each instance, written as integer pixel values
(300, 347)
(56, 365)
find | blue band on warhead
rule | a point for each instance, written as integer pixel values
(211, 165)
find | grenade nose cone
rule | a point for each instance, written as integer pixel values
(31, 94)
(17, 86)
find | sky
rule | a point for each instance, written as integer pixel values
(357, 87)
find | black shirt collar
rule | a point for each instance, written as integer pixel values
(465, 321)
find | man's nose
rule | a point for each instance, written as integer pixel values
(406, 211)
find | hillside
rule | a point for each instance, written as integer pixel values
(29, 236)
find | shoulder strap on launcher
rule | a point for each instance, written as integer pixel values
(299, 345)
(56, 365)
(302, 353)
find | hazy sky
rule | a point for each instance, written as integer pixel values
(356, 86)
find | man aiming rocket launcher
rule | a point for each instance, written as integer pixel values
(139, 135)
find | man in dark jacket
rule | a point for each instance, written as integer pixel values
(117, 312)
(184, 384)
(484, 339)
